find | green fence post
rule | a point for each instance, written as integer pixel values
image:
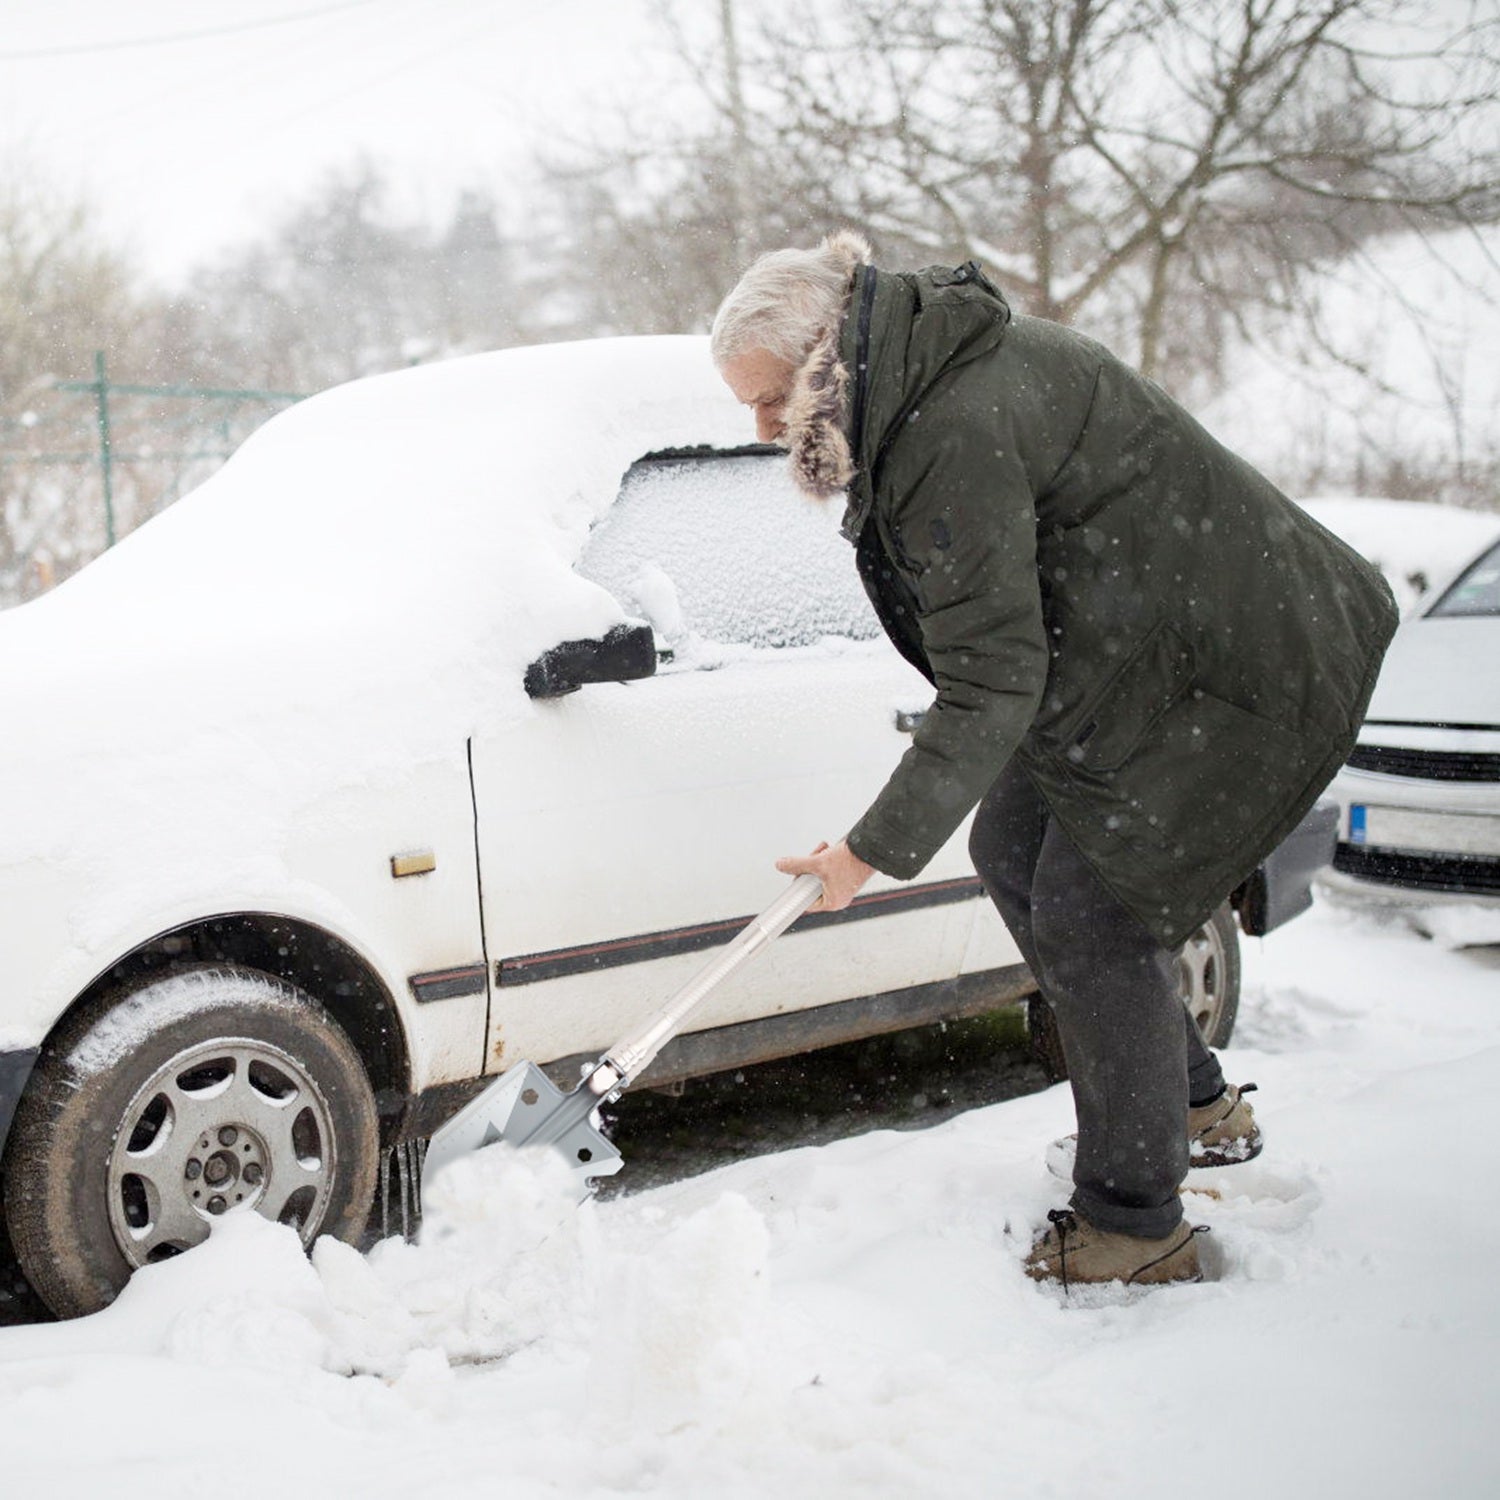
(106, 462)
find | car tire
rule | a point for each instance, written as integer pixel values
(1208, 967)
(195, 1094)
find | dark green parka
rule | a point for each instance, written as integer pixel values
(1176, 655)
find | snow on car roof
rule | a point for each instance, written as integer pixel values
(426, 487)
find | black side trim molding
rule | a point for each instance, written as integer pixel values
(447, 984)
(558, 963)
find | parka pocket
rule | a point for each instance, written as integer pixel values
(1206, 783)
(1123, 713)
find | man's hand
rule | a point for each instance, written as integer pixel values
(841, 870)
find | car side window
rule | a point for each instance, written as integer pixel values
(722, 550)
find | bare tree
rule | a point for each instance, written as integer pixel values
(659, 210)
(1152, 169)
(344, 287)
(1112, 157)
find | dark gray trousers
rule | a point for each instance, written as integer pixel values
(1135, 1055)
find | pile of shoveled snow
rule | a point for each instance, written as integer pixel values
(854, 1319)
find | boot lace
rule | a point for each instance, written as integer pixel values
(1065, 1222)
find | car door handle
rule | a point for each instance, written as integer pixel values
(909, 720)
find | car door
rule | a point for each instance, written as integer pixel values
(627, 827)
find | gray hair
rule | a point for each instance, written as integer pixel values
(788, 300)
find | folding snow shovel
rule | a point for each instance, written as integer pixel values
(524, 1107)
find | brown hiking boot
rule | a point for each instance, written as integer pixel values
(1219, 1135)
(1224, 1132)
(1076, 1253)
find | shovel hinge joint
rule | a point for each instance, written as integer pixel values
(605, 1079)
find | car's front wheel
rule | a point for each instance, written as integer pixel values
(1208, 973)
(198, 1094)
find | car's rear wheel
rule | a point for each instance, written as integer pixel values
(1208, 971)
(198, 1094)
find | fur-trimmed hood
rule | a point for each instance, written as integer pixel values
(817, 416)
(817, 412)
(823, 428)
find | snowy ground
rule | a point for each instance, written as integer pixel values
(852, 1319)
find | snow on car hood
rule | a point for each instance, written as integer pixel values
(361, 586)
(1441, 671)
(1414, 543)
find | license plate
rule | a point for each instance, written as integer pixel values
(1424, 832)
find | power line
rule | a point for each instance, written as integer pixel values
(462, 35)
(83, 48)
(414, 60)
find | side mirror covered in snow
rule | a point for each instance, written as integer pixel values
(628, 652)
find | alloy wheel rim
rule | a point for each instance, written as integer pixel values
(1200, 969)
(226, 1126)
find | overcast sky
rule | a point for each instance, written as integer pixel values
(193, 124)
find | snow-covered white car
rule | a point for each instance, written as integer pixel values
(1420, 797)
(304, 833)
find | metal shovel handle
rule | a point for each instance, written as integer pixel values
(629, 1058)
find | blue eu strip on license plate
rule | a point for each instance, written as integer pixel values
(1356, 824)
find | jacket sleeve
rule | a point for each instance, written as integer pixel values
(962, 526)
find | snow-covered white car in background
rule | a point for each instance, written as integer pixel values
(1420, 797)
(303, 832)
